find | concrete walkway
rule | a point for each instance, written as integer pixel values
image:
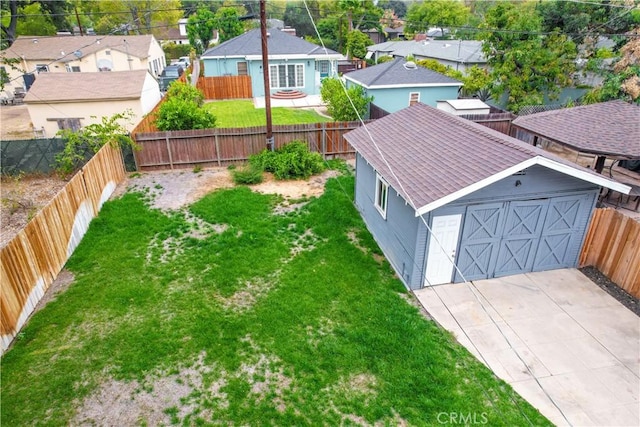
(563, 344)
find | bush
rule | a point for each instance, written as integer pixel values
(339, 102)
(291, 161)
(178, 114)
(186, 92)
(175, 51)
(247, 175)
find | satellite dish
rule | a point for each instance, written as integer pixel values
(77, 53)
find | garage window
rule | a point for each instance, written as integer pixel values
(382, 193)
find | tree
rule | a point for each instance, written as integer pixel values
(183, 109)
(361, 14)
(579, 19)
(525, 64)
(227, 21)
(397, 6)
(200, 28)
(344, 104)
(88, 140)
(437, 13)
(9, 30)
(137, 16)
(357, 43)
(37, 23)
(624, 82)
(296, 16)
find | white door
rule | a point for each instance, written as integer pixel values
(442, 249)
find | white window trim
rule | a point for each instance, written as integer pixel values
(381, 182)
(411, 95)
(274, 76)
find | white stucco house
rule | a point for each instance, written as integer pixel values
(32, 56)
(71, 101)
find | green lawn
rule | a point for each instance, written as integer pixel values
(229, 313)
(241, 113)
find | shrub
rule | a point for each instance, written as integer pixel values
(186, 92)
(339, 101)
(175, 51)
(291, 161)
(178, 114)
(247, 175)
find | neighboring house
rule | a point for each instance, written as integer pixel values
(458, 54)
(75, 54)
(294, 64)
(398, 84)
(174, 35)
(433, 187)
(70, 101)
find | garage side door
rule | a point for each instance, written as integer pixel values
(562, 233)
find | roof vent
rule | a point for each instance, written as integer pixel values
(268, 34)
(35, 40)
(410, 65)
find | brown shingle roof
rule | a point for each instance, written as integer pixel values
(50, 48)
(606, 128)
(74, 87)
(435, 154)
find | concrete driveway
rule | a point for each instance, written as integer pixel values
(563, 344)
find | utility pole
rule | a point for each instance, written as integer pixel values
(265, 72)
(78, 19)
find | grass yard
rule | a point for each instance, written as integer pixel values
(230, 313)
(242, 113)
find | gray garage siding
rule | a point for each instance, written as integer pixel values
(397, 235)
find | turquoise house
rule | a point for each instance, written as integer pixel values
(399, 84)
(294, 64)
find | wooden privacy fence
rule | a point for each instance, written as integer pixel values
(497, 121)
(225, 87)
(612, 246)
(222, 146)
(31, 261)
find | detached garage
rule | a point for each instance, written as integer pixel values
(449, 200)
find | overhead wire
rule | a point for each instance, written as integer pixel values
(434, 238)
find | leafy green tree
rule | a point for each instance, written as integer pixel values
(227, 21)
(183, 109)
(525, 64)
(35, 23)
(579, 19)
(296, 16)
(361, 14)
(357, 43)
(200, 28)
(399, 7)
(88, 140)
(344, 105)
(437, 13)
(137, 16)
(477, 82)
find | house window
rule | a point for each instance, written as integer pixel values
(42, 68)
(382, 193)
(323, 67)
(286, 76)
(107, 52)
(71, 124)
(242, 68)
(414, 98)
(73, 69)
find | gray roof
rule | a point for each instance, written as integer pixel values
(396, 73)
(437, 156)
(80, 87)
(63, 47)
(279, 43)
(611, 128)
(462, 51)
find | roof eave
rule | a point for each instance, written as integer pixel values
(538, 160)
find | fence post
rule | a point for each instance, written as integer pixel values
(166, 138)
(215, 135)
(324, 140)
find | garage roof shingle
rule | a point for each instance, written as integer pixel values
(434, 154)
(396, 72)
